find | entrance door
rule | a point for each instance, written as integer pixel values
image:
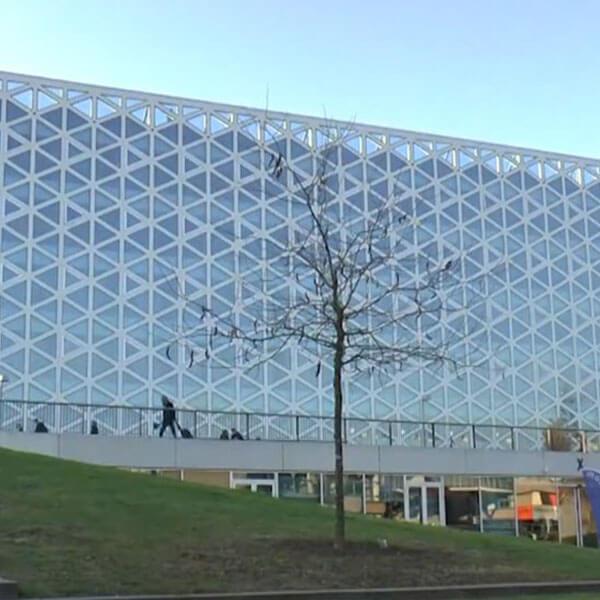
(433, 504)
(424, 502)
(260, 486)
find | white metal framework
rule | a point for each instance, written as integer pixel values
(114, 204)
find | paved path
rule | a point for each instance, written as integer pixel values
(506, 590)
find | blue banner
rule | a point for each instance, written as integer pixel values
(592, 487)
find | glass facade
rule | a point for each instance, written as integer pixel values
(122, 213)
(550, 509)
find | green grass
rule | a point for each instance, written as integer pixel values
(68, 528)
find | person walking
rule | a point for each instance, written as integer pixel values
(169, 417)
(94, 428)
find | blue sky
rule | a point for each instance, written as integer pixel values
(520, 72)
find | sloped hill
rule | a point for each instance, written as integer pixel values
(72, 529)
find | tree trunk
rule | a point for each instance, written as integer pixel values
(340, 522)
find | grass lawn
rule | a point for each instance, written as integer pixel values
(68, 528)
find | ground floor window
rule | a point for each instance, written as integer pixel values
(541, 504)
(544, 509)
(462, 502)
(353, 492)
(498, 505)
(300, 486)
(384, 496)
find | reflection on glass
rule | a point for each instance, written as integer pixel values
(462, 502)
(588, 525)
(352, 492)
(498, 505)
(415, 504)
(300, 486)
(433, 506)
(385, 496)
(567, 515)
(538, 508)
(245, 475)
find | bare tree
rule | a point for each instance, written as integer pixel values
(359, 291)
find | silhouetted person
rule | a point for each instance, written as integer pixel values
(224, 435)
(40, 427)
(94, 428)
(235, 434)
(168, 417)
(20, 427)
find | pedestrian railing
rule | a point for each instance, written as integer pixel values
(18, 415)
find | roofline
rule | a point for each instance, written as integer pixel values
(364, 127)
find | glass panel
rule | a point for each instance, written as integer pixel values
(588, 525)
(385, 496)
(265, 489)
(462, 502)
(352, 492)
(300, 486)
(415, 504)
(498, 505)
(538, 508)
(253, 476)
(433, 505)
(567, 516)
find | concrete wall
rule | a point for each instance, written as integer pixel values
(214, 455)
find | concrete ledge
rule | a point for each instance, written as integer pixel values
(8, 589)
(500, 590)
(268, 456)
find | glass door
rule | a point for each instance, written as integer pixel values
(433, 505)
(415, 504)
(424, 500)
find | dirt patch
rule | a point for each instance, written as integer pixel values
(259, 564)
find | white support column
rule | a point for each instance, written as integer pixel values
(516, 505)
(480, 504)
(442, 502)
(364, 494)
(321, 489)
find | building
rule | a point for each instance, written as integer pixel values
(123, 212)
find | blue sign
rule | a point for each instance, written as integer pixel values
(592, 487)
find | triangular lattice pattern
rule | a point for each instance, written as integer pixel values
(112, 203)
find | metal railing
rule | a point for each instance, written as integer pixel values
(19, 415)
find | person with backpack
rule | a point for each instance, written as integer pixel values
(169, 417)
